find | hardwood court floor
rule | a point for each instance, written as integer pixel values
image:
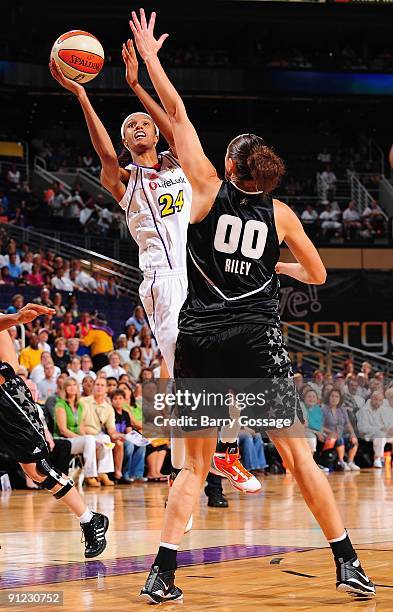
(263, 553)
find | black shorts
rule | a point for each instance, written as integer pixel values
(245, 357)
(21, 430)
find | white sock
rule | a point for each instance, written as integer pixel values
(178, 453)
(86, 516)
(339, 539)
(170, 546)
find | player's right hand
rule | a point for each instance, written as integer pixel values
(131, 63)
(72, 86)
(31, 311)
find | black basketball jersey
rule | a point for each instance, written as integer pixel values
(231, 256)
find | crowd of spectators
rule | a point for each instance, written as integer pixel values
(21, 267)
(348, 416)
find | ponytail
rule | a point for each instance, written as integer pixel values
(257, 162)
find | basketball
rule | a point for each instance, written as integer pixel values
(79, 55)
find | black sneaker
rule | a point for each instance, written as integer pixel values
(217, 500)
(94, 535)
(352, 579)
(160, 587)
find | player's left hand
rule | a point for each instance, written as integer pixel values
(31, 311)
(131, 63)
(143, 33)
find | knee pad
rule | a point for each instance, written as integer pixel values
(53, 478)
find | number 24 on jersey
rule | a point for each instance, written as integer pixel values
(169, 205)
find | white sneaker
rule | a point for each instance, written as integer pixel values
(323, 468)
(378, 463)
(189, 525)
(353, 467)
(344, 466)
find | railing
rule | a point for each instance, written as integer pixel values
(359, 193)
(317, 352)
(127, 277)
(50, 177)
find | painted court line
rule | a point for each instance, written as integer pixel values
(52, 574)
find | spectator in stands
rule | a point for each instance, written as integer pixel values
(366, 369)
(5, 277)
(329, 221)
(352, 221)
(111, 287)
(44, 298)
(99, 339)
(363, 385)
(129, 459)
(137, 319)
(73, 347)
(84, 325)
(313, 418)
(35, 277)
(148, 352)
(60, 355)
(132, 337)
(111, 383)
(98, 419)
(372, 426)
(13, 332)
(56, 202)
(328, 182)
(114, 368)
(134, 410)
(310, 220)
(339, 431)
(351, 396)
(43, 337)
(27, 262)
(49, 406)
(374, 219)
(156, 451)
(317, 383)
(87, 365)
(324, 157)
(60, 282)
(13, 267)
(67, 329)
(17, 302)
(75, 371)
(252, 451)
(339, 382)
(73, 307)
(48, 385)
(37, 374)
(31, 355)
(13, 178)
(87, 386)
(68, 424)
(58, 305)
(122, 350)
(298, 380)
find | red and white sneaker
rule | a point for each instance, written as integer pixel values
(171, 480)
(229, 465)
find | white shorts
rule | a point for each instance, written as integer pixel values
(162, 295)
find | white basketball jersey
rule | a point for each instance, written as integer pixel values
(157, 205)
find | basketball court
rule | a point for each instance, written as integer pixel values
(265, 552)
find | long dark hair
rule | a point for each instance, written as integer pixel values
(255, 161)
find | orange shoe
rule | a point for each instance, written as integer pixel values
(105, 480)
(229, 465)
(92, 482)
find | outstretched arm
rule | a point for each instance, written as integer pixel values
(198, 169)
(112, 176)
(309, 268)
(25, 315)
(155, 111)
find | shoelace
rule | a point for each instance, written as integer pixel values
(233, 459)
(86, 528)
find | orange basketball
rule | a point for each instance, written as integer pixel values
(79, 54)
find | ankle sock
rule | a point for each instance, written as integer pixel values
(342, 548)
(231, 447)
(166, 558)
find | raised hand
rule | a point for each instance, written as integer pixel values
(31, 311)
(72, 86)
(143, 33)
(131, 63)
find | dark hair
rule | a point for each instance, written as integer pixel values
(108, 378)
(116, 393)
(334, 390)
(255, 161)
(124, 158)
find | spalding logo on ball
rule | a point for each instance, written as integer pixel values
(79, 55)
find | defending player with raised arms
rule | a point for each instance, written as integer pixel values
(237, 220)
